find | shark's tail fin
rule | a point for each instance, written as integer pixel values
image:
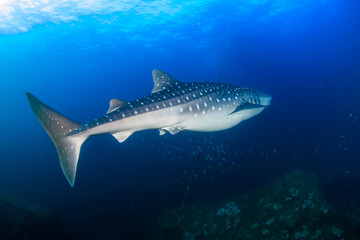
(58, 127)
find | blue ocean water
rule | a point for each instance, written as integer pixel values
(77, 55)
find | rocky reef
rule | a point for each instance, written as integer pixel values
(291, 207)
(19, 222)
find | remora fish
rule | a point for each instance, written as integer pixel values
(172, 106)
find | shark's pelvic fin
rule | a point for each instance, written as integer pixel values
(58, 127)
(115, 104)
(122, 136)
(162, 80)
(161, 131)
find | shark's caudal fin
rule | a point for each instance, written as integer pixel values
(58, 126)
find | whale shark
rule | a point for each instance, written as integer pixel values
(173, 106)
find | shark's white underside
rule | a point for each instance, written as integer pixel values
(172, 120)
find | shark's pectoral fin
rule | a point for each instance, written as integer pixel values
(174, 130)
(122, 136)
(115, 104)
(161, 132)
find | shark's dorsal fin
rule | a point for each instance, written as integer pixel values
(115, 104)
(162, 80)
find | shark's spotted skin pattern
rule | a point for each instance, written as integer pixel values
(172, 106)
(199, 99)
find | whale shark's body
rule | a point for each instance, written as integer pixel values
(173, 106)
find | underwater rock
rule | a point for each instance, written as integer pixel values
(18, 222)
(291, 207)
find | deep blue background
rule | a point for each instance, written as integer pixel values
(307, 57)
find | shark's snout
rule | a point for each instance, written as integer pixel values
(265, 99)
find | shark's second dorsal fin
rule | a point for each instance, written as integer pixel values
(162, 80)
(115, 104)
